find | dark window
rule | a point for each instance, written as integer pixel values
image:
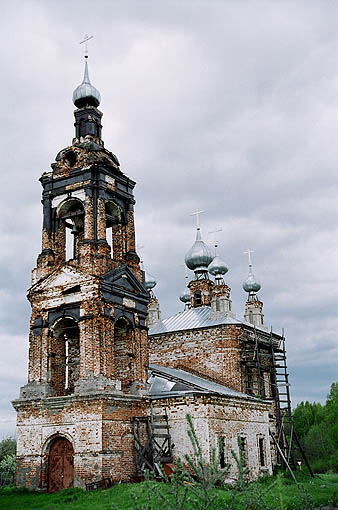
(198, 298)
(249, 382)
(242, 445)
(221, 446)
(71, 158)
(261, 452)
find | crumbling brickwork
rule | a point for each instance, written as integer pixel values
(213, 353)
(216, 418)
(88, 342)
(97, 425)
(88, 349)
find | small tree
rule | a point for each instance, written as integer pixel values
(204, 476)
(7, 447)
(7, 468)
(192, 483)
(241, 464)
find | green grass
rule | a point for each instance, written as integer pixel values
(321, 490)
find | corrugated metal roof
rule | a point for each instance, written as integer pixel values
(195, 384)
(193, 318)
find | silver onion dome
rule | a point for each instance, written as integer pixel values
(85, 94)
(185, 296)
(199, 256)
(218, 266)
(149, 281)
(251, 284)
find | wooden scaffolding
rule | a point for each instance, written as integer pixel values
(266, 376)
(152, 443)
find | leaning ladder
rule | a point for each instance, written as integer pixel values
(282, 396)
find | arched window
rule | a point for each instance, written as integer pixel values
(124, 357)
(113, 218)
(71, 212)
(64, 356)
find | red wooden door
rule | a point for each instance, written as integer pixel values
(60, 465)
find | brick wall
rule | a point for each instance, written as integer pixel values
(98, 427)
(213, 353)
(215, 418)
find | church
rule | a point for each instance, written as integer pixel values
(110, 383)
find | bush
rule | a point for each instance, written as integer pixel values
(7, 447)
(7, 468)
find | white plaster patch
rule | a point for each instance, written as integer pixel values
(110, 180)
(79, 194)
(130, 303)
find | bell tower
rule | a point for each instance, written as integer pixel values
(88, 350)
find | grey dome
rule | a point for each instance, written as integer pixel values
(199, 256)
(85, 94)
(149, 281)
(217, 266)
(185, 296)
(251, 284)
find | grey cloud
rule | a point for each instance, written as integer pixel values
(227, 106)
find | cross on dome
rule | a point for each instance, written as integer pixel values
(215, 239)
(248, 253)
(85, 41)
(197, 214)
(251, 284)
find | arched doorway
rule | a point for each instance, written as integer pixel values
(60, 465)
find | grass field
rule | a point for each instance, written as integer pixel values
(309, 494)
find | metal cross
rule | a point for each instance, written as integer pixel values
(248, 253)
(139, 248)
(215, 232)
(197, 214)
(85, 40)
(185, 270)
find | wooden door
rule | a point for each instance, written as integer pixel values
(60, 465)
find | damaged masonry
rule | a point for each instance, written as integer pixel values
(109, 382)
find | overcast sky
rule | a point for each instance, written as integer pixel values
(227, 106)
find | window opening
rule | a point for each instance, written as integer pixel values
(261, 451)
(242, 445)
(69, 244)
(222, 452)
(123, 352)
(72, 214)
(64, 356)
(66, 362)
(249, 388)
(198, 298)
(109, 235)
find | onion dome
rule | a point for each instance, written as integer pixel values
(85, 94)
(149, 281)
(251, 284)
(218, 267)
(199, 256)
(185, 296)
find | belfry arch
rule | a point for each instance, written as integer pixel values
(71, 215)
(64, 355)
(123, 351)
